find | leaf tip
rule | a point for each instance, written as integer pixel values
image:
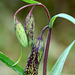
(31, 1)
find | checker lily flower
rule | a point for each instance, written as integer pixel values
(25, 36)
(33, 62)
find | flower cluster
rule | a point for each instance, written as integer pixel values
(25, 36)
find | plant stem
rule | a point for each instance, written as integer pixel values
(48, 37)
(48, 15)
(41, 34)
(46, 51)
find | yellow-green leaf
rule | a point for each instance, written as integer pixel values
(31, 1)
(62, 15)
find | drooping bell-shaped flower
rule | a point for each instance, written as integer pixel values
(29, 27)
(33, 62)
(21, 35)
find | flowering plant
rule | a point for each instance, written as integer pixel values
(26, 37)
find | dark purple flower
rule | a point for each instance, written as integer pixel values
(33, 62)
(29, 27)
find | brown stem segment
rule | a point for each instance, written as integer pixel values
(43, 31)
(48, 15)
(46, 51)
(48, 37)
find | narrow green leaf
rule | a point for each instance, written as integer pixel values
(10, 62)
(31, 1)
(56, 70)
(62, 15)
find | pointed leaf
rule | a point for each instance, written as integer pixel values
(31, 1)
(56, 70)
(62, 15)
(10, 62)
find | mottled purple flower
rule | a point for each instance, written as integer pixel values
(33, 62)
(29, 27)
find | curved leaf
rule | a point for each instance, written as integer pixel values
(10, 62)
(31, 1)
(62, 15)
(56, 70)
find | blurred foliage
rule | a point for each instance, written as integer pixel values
(63, 33)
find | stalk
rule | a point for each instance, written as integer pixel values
(47, 13)
(48, 36)
(46, 51)
(41, 34)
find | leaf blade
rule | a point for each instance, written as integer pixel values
(31, 1)
(57, 68)
(10, 62)
(62, 15)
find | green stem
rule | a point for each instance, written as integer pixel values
(20, 57)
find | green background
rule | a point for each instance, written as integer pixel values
(62, 35)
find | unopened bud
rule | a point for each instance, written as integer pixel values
(21, 35)
(39, 47)
(29, 28)
(35, 58)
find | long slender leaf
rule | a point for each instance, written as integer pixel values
(62, 15)
(56, 70)
(31, 1)
(10, 62)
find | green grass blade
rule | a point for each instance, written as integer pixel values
(56, 70)
(31, 1)
(62, 15)
(10, 62)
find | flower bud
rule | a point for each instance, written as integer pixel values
(35, 58)
(29, 28)
(39, 45)
(21, 35)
